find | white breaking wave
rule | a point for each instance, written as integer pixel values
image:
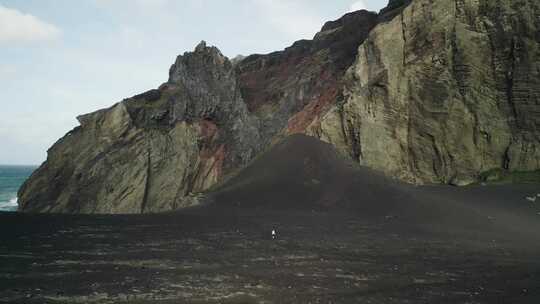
(11, 205)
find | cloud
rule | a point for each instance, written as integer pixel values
(153, 4)
(20, 28)
(7, 71)
(155, 8)
(358, 5)
(140, 3)
(292, 18)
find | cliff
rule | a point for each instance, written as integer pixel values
(426, 91)
(151, 152)
(444, 92)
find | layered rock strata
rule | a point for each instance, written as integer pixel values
(444, 91)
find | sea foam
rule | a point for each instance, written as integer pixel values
(10, 205)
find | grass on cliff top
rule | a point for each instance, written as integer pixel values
(499, 176)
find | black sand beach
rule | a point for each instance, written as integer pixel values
(319, 257)
(345, 235)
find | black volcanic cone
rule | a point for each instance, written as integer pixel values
(303, 172)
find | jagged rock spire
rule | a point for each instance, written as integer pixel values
(201, 46)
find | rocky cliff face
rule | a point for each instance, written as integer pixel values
(427, 91)
(151, 152)
(445, 91)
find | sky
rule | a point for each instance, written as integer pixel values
(63, 58)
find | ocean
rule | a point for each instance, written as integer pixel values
(11, 178)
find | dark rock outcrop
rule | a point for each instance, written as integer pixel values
(426, 91)
(291, 89)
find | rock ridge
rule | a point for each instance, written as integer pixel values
(427, 91)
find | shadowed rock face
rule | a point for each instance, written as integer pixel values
(427, 91)
(289, 90)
